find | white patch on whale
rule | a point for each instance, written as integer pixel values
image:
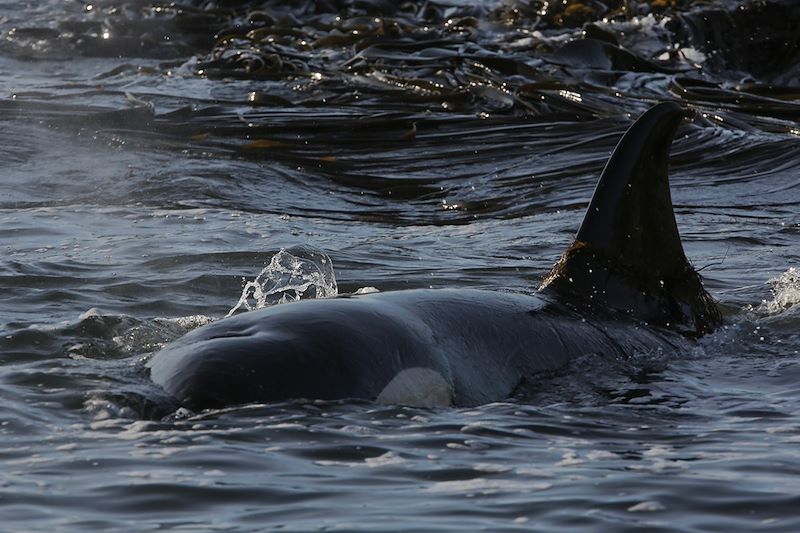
(417, 387)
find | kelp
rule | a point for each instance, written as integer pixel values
(345, 62)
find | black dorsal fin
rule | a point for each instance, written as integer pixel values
(627, 254)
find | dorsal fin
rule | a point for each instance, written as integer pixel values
(627, 254)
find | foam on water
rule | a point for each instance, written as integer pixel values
(785, 292)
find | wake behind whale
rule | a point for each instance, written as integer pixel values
(624, 286)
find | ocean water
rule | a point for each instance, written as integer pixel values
(155, 157)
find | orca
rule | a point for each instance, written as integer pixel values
(624, 286)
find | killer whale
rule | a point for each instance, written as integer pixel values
(624, 286)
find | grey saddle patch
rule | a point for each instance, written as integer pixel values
(417, 387)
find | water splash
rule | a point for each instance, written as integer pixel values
(785, 292)
(292, 273)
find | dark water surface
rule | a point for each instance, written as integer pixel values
(154, 156)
